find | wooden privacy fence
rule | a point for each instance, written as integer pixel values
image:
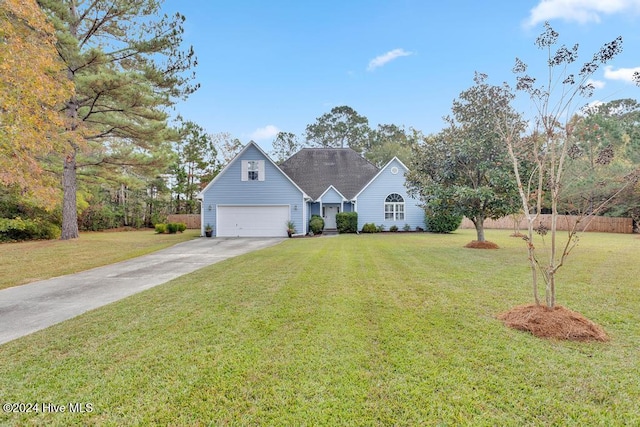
(597, 223)
(600, 224)
(192, 220)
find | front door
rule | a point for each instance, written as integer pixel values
(329, 216)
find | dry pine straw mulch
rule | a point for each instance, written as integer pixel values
(475, 244)
(557, 323)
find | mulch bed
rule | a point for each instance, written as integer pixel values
(474, 244)
(558, 323)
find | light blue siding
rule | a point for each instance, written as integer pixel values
(331, 196)
(314, 209)
(228, 188)
(370, 201)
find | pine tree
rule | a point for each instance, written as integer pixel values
(125, 63)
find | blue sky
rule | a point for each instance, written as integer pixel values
(269, 66)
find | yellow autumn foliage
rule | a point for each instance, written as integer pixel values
(32, 85)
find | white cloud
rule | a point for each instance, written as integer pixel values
(598, 84)
(590, 108)
(624, 74)
(381, 60)
(267, 132)
(581, 11)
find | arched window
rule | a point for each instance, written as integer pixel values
(394, 207)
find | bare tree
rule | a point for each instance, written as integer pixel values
(549, 148)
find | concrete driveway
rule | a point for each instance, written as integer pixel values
(38, 305)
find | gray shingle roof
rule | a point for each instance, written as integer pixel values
(315, 169)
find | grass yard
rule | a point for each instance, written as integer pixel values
(383, 329)
(26, 262)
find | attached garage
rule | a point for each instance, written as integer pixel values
(252, 221)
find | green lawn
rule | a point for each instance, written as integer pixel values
(384, 329)
(26, 262)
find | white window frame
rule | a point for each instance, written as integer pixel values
(394, 207)
(252, 170)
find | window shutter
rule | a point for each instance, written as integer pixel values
(244, 171)
(260, 170)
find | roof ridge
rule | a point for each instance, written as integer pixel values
(314, 169)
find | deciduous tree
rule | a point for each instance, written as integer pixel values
(552, 146)
(285, 145)
(228, 146)
(466, 163)
(341, 127)
(388, 141)
(32, 92)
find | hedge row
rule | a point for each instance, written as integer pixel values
(18, 229)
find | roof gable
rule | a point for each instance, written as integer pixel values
(316, 169)
(395, 162)
(239, 156)
(332, 190)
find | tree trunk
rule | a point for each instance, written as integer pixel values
(69, 205)
(555, 173)
(479, 224)
(531, 253)
(69, 172)
(524, 198)
(123, 203)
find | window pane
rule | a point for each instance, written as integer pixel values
(252, 170)
(394, 211)
(394, 197)
(388, 211)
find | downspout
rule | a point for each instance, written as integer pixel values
(305, 214)
(354, 206)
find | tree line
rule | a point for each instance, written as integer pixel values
(88, 141)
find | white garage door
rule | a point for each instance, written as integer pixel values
(252, 221)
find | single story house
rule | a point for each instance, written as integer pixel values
(254, 197)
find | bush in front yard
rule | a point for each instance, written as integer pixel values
(171, 228)
(442, 221)
(347, 222)
(316, 224)
(18, 229)
(369, 228)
